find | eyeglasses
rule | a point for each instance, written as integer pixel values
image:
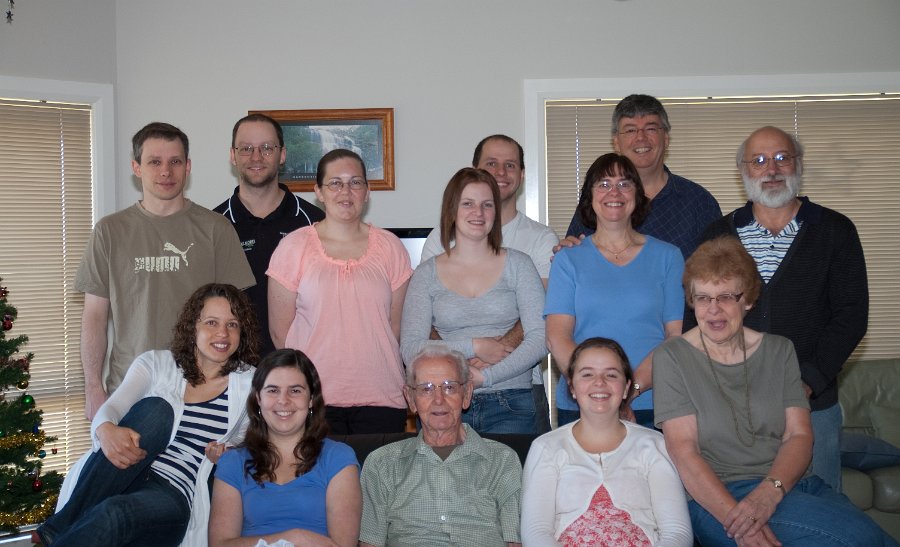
(625, 186)
(448, 387)
(760, 162)
(649, 131)
(265, 149)
(724, 299)
(336, 186)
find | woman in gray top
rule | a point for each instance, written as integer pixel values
(735, 417)
(473, 295)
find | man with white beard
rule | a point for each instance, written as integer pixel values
(813, 271)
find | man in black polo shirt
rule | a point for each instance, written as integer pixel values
(262, 210)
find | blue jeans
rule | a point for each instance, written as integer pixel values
(826, 457)
(133, 506)
(504, 411)
(811, 514)
(564, 416)
(541, 409)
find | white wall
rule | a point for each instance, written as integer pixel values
(59, 40)
(453, 71)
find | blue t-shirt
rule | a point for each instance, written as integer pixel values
(630, 304)
(274, 508)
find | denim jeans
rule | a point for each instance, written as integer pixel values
(133, 506)
(358, 420)
(504, 411)
(826, 457)
(811, 514)
(564, 416)
(541, 409)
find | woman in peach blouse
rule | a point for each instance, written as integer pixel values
(336, 291)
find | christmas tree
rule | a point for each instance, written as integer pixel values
(26, 496)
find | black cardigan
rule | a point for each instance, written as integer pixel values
(818, 296)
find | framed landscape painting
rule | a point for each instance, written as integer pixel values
(310, 134)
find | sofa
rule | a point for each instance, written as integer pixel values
(869, 392)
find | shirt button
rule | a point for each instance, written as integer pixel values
(444, 518)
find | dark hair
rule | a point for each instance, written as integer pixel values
(718, 259)
(609, 165)
(450, 205)
(637, 105)
(601, 343)
(184, 339)
(258, 118)
(157, 130)
(264, 459)
(476, 158)
(334, 155)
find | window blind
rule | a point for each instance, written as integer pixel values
(851, 164)
(45, 207)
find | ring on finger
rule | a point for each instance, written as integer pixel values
(753, 519)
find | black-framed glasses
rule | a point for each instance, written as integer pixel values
(625, 186)
(447, 387)
(265, 149)
(724, 299)
(760, 162)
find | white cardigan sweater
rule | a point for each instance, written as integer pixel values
(155, 374)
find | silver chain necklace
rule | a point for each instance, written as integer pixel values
(737, 429)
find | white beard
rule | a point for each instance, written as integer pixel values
(772, 198)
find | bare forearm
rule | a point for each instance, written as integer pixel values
(702, 483)
(93, 353)
(514, 336)
(561, 349)
(795, 453)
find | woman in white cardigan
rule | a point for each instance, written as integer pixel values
(602, 481)
(160, 433)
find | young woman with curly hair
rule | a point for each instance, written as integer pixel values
(287, 481)
(158, 435)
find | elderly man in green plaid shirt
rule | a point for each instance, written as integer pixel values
(447, 486)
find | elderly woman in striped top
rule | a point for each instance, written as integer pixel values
(158, 435)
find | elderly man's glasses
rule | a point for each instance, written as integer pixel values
(354, 185)
(724, 299)
(448, 387)
(625, 186)
(760, 162)
(265, 149)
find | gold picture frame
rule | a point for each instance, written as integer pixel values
(309, 134)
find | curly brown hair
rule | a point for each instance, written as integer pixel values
(184, 338)
(264, 458)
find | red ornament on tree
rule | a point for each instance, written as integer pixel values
(37, 485)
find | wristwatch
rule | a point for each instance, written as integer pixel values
(776, 483)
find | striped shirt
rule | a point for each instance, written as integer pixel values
(766, 249)
(200, 424)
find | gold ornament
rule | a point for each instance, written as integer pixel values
(34, 516)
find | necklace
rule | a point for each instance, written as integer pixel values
(737, 429)
(614, 252)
